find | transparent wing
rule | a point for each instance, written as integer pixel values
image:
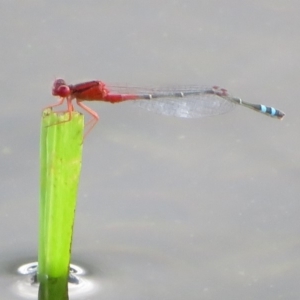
(184, 101)
(189, 107)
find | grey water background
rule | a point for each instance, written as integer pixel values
(168, 208)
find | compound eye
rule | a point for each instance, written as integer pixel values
(62, 91)
(58, 82)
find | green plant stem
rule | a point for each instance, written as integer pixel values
(60, 159)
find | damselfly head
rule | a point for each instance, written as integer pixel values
(60, 88)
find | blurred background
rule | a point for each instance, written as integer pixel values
(168, 208)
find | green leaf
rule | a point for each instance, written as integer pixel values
(60, 159)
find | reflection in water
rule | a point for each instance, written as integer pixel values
(27, 286)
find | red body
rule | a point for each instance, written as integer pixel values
(91, 91)
(86, 91)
